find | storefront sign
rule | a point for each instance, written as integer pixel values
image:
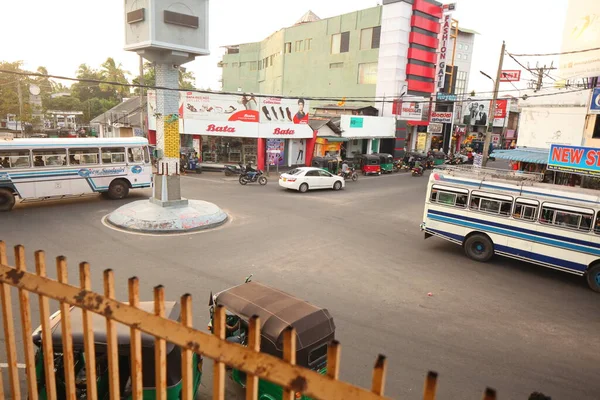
(435, 127)
(595, 103)
(460, 130)
(443, 53)
(220, 128)
(372, 127)
(219, 107)
(510, 75)
(441, 96)
(495, 139)
(279, 131)
(276, 131)
(575, 159)
(441, 117)
(405, 110)
(356, 122)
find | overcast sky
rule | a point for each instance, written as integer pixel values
(61, 34)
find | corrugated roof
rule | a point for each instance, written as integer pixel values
(530, 155)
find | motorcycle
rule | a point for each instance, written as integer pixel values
(349, 174)
(245, 178)
(232, 170)
(418, 170)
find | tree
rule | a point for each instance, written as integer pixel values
(113, 72)
(93, 107)
(9, 91)
(186, 79)
(85, 91)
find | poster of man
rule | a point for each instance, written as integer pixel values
(476, 112)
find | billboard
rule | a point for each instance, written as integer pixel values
(218, 107)
(443, 117)
(581, 32)
(574, 159)
(408, 110)
(367, 126)
(477, 112)
(443, 51)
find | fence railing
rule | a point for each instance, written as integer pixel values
(248, 359)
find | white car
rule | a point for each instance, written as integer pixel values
(304, 179)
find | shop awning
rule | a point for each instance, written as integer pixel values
(530, 155)
(334, 138)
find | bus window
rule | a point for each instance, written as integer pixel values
(49, 158)
(84, 156)
(490, 203)
(449, 196)
(597, 224)
(113, 155)
(135, 154)
(526, 211)
(146, 155)
(566, 217)
(15, 159)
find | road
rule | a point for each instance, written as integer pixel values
(512, 326)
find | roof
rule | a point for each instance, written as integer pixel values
(278, 310)
(127, 113)
(530, 155)
(465, 30)
(333, 123)
(308, 17)
(172, 311)
(83, 142)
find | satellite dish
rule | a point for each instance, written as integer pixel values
(34, 89)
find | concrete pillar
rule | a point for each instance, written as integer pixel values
(167, 190)
(260, 153)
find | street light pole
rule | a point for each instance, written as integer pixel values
(488, 134)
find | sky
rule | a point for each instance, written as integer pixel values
(62, 34)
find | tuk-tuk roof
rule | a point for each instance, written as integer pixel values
(386, 155)
(370, 156)
(278, 310)
(172, 311)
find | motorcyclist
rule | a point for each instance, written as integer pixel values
(345, 168)
(251, 172)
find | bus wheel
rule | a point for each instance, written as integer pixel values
(118, 190)
(7, 200)
(479, 247)
(593, 277)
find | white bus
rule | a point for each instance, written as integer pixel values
(40, 169)
(502, 212)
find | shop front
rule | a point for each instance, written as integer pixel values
(364, 134)
(231, 129)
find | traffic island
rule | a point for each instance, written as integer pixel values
(184, 216)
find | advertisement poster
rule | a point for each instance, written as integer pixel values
(275, 151)
(408, 110)
(283, 111)
(477, 112)
(575, 159)
(581, 31)
(442, 117)
(421, 141)
(297, 149)
(217, 107)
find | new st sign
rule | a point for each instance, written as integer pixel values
(595, 103)
(574, 159)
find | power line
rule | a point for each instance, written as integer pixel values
(556, 54)
(332, 99)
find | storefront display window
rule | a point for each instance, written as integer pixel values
(219, 149)
(436, 142)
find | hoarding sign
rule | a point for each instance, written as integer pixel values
(441, 96)
(510, 75)
(574, 159)
(218, 107)
(406, 110)
(441, 117)
(443, 54)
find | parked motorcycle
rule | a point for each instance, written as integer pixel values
(245, 178)
(349, 174)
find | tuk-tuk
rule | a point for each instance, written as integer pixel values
(386, 162)
(189, 161)
(277, 310)
(370, 164)
(330, 164)
(174, 376)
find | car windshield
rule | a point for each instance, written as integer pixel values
(294, 171)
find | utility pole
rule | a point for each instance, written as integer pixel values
(142, 108)
(20, 94)
(540, 72)
(488, 134)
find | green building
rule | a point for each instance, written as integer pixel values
(334, 57)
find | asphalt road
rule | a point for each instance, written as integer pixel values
(512, 326)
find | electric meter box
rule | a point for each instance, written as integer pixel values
(179, 27)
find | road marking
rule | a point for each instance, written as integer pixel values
(20, 366)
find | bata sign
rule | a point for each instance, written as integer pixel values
(215, 128)
(441, 117)
(443, 51)
(279, 131)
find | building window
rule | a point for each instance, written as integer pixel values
(464, 56)
(341, 65)
(253, 66)
(340, 43)
(370, 38)
(466, 47)
(298, 46)
(458, 56)
(460, 46)
(367, 73)
(288, 47)
(307, 44)
(271, 60)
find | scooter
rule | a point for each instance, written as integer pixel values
(190, 164)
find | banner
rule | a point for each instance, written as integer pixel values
(581, 32)
(501, 107)
(218, 107)
(406, 110)
(510, 75)
(296, 152)
(276, 151)
(574, 159)
(283, 111)
(476, 112)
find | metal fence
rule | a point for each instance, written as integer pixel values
(283, 372)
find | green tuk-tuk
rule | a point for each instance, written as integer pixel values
(386, 162)
(277, 310)
(331, 164)
(174, 376)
